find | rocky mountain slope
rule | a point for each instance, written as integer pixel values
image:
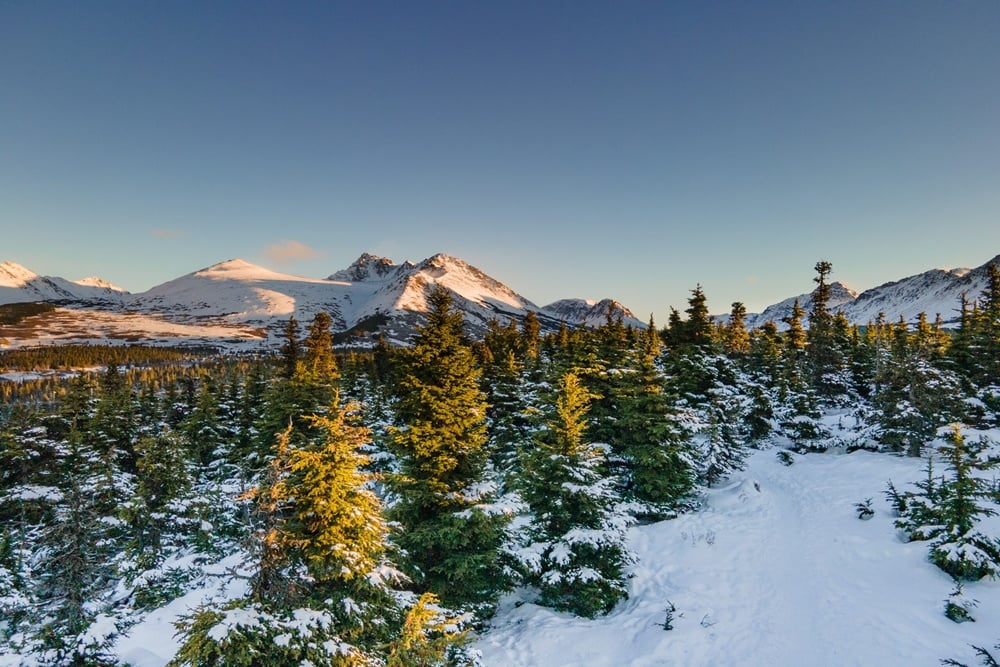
(935, 292)
(18, 284)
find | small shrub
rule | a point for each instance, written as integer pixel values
(864, 509)
(959, 608)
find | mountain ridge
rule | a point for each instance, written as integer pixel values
(235, 303)
(250, 302)
(933, 292)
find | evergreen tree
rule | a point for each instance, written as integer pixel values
(919, 513)
(72, 564)
(914, 399)
(322, 590)
(652, 445)
(203, 429)
(736, 339)
(450, 530)
(961, 549)
(503, 383)
(723, 444)
(291, 349)
(577, 554)
(823, 352)
(795, 337)
(319, 365)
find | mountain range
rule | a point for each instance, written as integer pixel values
(239, 305)
(934, 292)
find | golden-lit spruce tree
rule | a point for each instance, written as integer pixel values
(576, 553)
(449, 528)
(322, 589)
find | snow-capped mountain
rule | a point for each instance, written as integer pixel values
(840, 297)
(392, 288)
(372, 287)
(236, 303)
(240, 292)
(19, 284)
(590, 313)
(935, 292)
(239, 303)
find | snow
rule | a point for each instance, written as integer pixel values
(20, 284)
(153, 641)
(774, 570)
(95, 281)
(244, 306)
(31, 492)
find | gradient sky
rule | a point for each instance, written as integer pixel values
(625, 149)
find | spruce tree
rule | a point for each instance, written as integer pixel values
(722, 438)
(736, 339)
(961, 549)
(450, 530)
(654, 449)
(576, 554)
(823, 352)
(323, 587)
(72, 563)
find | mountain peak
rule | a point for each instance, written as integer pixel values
(237, 268)
(96, 281)
(365, 267)
(443, 260)
(15, 275)
(590, 312)
(235, 263)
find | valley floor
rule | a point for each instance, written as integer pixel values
(775, 570)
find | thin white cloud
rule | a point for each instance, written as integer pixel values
(290, 251)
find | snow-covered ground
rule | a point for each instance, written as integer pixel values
(775, 570)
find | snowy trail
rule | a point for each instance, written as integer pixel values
(775, 570)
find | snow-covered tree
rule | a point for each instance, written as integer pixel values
(576, 554)
(961, 549)
(655, 451)
(451, 530)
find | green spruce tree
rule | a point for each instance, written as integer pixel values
(450, 531)
(576, 552)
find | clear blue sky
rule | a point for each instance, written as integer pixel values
(626, 149)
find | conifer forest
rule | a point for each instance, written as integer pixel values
(347, 506)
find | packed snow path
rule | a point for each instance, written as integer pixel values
(776, 569)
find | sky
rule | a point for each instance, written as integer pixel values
(569, 149)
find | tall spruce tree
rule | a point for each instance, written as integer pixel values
(450, 530)
(823, 352)
(576, 554)
(323, 589)
(653, 448)
(961, 549)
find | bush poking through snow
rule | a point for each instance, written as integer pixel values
(785, 457)
(948, 510)
(959, 608)
(864, 509)
(896, 499)
(668, 621)
(987, 657)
